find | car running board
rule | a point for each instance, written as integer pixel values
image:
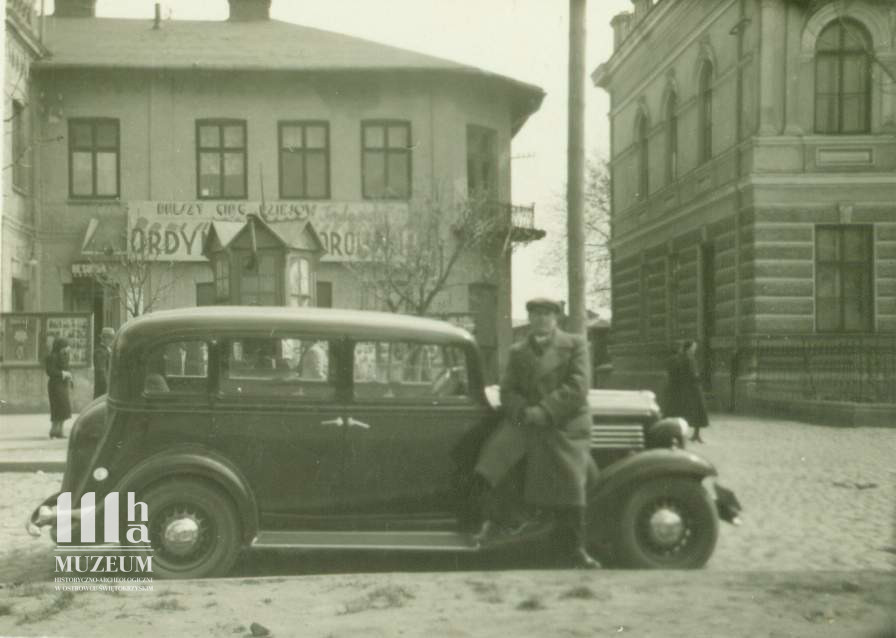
(404, 541)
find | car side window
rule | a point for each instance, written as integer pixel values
(296, 368)
(398, 370)
(179, 367)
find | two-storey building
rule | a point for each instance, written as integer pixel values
(754, 198)
(155, 133)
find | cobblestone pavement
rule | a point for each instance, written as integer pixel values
(815, 498)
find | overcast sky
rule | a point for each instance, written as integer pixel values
(524, 39)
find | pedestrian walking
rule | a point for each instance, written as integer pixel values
(684, 393)
(546, 419)
(59, 383)
(102, 357)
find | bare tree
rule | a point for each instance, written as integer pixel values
(406, 263)
(136, 274)
(597, 233)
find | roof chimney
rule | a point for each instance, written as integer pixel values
(75, 9)
(244, 10)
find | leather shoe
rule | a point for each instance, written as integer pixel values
(488, 533)
(580, 559)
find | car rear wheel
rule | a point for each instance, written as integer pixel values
(667, 524)
(193, 529)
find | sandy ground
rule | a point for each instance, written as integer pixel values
(814, 557)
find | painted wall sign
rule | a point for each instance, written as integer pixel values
(175, 231)
(76, 329)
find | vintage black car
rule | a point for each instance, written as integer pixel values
(249, 427)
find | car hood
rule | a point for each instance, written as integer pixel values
(604, 403)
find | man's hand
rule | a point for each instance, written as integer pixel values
(536, 416)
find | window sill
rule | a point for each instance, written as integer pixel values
(94, 201)
(367, 198)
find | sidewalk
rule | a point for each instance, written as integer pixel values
(25, 445)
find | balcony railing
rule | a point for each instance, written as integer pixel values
(520, 218)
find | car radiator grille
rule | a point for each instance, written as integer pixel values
(607, 436)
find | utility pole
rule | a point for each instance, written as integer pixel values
(575, 169)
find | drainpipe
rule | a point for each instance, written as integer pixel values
(738, 199)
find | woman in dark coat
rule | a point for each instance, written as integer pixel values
(684, 394)
(58, 385)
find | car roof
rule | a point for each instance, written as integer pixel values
(256, 320)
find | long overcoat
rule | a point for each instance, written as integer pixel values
(553, 375)
(58, 387)
(684, 394)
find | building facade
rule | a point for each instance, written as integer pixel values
(154, 132)
(754, 198)
(17, 249)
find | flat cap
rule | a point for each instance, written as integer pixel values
(108, 332)
(545, 303)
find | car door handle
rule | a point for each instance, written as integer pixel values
(338, 422)
(353, 423)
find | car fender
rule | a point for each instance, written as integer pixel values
(610, 486)
(200, 462)
(666, 432)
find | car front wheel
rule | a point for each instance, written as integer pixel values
(193, 529)
(667, 524)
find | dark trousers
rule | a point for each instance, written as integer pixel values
(569, 530)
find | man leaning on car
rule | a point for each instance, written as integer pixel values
(546, 418)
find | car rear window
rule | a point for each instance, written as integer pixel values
(177, 367)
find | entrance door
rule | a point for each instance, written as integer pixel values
(410, 407)
(279, 416)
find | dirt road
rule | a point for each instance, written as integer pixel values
(815, 557)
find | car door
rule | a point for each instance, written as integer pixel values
(411, 404)
(279, 415)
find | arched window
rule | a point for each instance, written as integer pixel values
(843, 79)
(704, 123)
(641, 130)
(671, 137)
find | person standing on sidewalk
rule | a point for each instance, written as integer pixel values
(59, 383)
(684, 393)
(544, 397)
(102, 357)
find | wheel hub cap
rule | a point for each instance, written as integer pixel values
(666, 527)
(181, 535)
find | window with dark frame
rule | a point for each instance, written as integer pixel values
(672, 138)
(221, 159)
(704, 101)
(643, 157)
(844, 298)
(21, 154)
(304, 159)
(843, 79)
(386, 159)
(482, 161)
(93, 150)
